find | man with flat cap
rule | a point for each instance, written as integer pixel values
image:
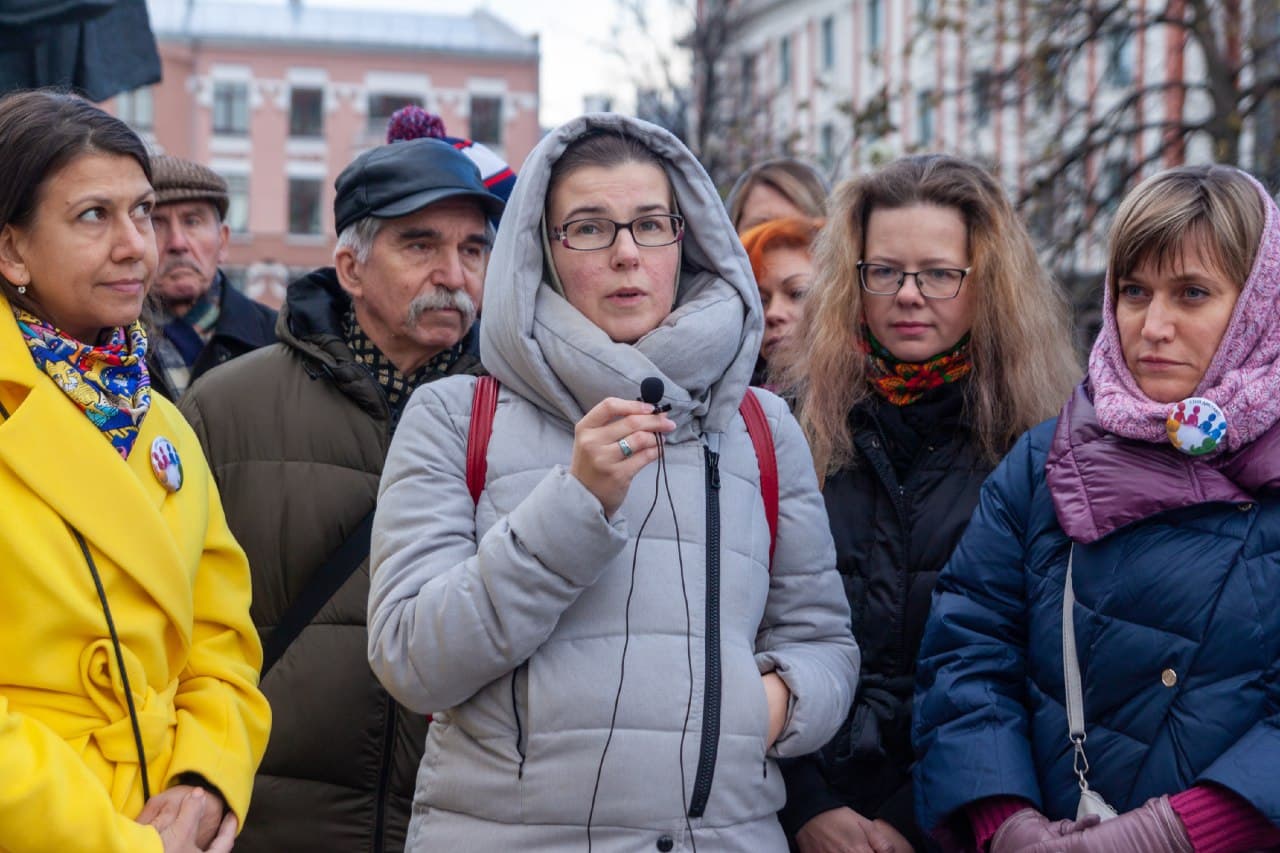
(203, 320)
(296, 436)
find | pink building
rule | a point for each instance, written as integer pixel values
(278, 99)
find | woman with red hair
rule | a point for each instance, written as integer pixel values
(783, 265)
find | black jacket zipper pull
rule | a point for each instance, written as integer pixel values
(713, 468)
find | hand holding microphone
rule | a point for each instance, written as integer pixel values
(651, 391)
(615, 440)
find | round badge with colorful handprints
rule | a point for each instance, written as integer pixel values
(1196, 426)
(166, 464)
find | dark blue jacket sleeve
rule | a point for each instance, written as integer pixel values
(970, 727)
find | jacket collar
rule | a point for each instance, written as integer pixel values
(242, 319)
(310, 322)
(1101, 482)
(126, 520)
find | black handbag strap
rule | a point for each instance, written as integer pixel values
(124, 671)
(327, 580)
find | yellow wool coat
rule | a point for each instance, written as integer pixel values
(178, 588)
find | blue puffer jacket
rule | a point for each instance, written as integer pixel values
(1177, 581)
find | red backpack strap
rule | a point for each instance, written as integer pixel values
(762, 441)
(483, 405)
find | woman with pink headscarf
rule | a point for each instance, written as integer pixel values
(1101, 666)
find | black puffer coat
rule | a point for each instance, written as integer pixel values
(296, 435)
(895, 517)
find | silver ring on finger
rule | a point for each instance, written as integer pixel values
(626, 448)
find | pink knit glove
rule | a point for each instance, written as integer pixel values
(1028, 827)
(1151, 828)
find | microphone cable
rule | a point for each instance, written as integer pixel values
(626, 641)
(661, 481)
(688, 642)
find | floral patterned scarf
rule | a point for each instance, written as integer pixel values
(904, 382)
(109, 383)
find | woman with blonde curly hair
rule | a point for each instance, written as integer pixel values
(932, 338)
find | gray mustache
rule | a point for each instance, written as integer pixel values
(177, 264)
(440, 299)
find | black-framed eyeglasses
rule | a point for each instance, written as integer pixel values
(650, 231)
(933, 283)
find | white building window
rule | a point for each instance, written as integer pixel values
(485, 116)
(827, 145)
(136, 109)
(306, 112)
(304, 205)
(238, 205)
(875, 25)
(784, 61)
(382, 105)
(747, 78)
(828, 43)
(924, 117)
(1112, 182)
(1119, 51)
(230, 108)
(984, 96)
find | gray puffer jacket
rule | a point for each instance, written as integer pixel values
(507, 619)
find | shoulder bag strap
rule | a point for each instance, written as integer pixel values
(483, 406)
(327, 580)
(1070, 661)
(1091, 802)
(762, 441)
(485, 403)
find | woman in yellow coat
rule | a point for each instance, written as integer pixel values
(130, 718)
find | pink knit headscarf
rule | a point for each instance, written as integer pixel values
(1243, 378)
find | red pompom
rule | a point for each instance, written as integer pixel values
(413, 122)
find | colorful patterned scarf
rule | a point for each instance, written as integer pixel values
(904, 382)
(109, 383)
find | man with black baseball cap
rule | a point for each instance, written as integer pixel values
(296, 435)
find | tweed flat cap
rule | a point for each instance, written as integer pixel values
(176, 180)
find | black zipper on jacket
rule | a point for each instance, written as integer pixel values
(711, 691)
(878, 455)
(384, 776)
(515, 711)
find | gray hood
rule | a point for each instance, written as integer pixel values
(548, 352)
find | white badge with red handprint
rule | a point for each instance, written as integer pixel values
(166, 464)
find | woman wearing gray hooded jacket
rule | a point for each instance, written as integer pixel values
(612, 661)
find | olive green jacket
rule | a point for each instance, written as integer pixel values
(296, 434)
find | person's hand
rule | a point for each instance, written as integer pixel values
(843, 830)
(899, 842)
(210, 818)
(777, 697)
(177, 820)
(1154, 827)
(598, 460)
(1027, 827)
